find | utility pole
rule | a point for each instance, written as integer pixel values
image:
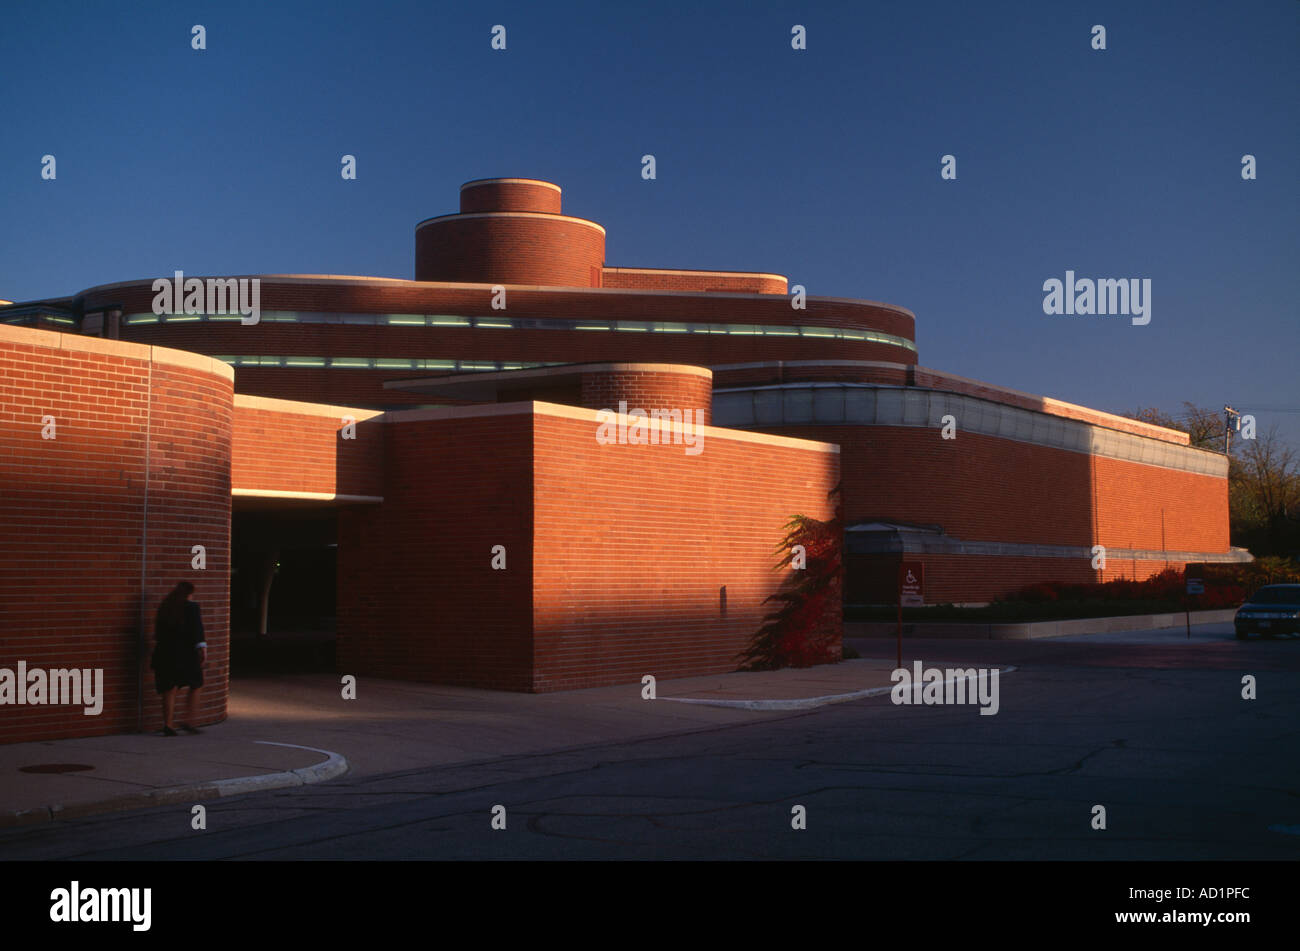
(1229, 416)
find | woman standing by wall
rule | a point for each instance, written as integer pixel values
(180, 654)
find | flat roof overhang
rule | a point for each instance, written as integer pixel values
(255, 500)
(487, 387)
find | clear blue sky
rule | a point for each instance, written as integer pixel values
(822, 164)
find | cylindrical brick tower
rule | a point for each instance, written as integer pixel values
(648, 387)
(510, 231)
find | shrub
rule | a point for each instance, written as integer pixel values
(800, 630)
(1221, 588)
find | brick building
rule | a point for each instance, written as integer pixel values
(365, 453)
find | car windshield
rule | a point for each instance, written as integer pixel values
(1281, 594)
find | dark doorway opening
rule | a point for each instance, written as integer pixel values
(283, 591)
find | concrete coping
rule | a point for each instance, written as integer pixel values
(692, 271)
(145, 353)
(271, 404)
(594, 416)
(478, 182)
(510, 214)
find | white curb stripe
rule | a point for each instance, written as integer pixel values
(333, 765)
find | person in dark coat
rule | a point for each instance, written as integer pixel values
(179, 655)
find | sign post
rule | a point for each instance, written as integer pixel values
(911, 592)
(1194, 575)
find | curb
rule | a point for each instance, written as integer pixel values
(1034, 630)
(807, 703)
(333, 765)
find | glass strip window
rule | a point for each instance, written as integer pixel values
(534, 323)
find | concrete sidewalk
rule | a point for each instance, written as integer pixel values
(284, 731)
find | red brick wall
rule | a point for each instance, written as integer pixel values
(977, 487)
(418, 598)
(648, 390)
(496, 195)
(509, 248)
(736, 282)
(75, 536)
(633, 544)
(283, 446)
(1132, 499)
(980, 487)
(615, 554)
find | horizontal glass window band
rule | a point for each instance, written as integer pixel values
(536, 323)
(865, 404)
(38, 318)
(376, 363)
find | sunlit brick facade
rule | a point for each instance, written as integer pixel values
(425, 423)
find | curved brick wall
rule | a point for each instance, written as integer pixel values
(650, 387)
(97, 524)
(509, 194)
(360, 294)
(353, 387)
(510, 248)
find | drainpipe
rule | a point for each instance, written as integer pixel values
(143, 639)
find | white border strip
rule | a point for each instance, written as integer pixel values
(509, 214)
(303, 496)
(478, 182)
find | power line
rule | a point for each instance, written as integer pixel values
(1211, 414)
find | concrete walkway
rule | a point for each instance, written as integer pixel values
(284, 731)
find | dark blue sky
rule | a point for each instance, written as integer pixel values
(822, 165)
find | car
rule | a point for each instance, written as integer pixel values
(1273, 609)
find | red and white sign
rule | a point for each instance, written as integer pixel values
(911, 584)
